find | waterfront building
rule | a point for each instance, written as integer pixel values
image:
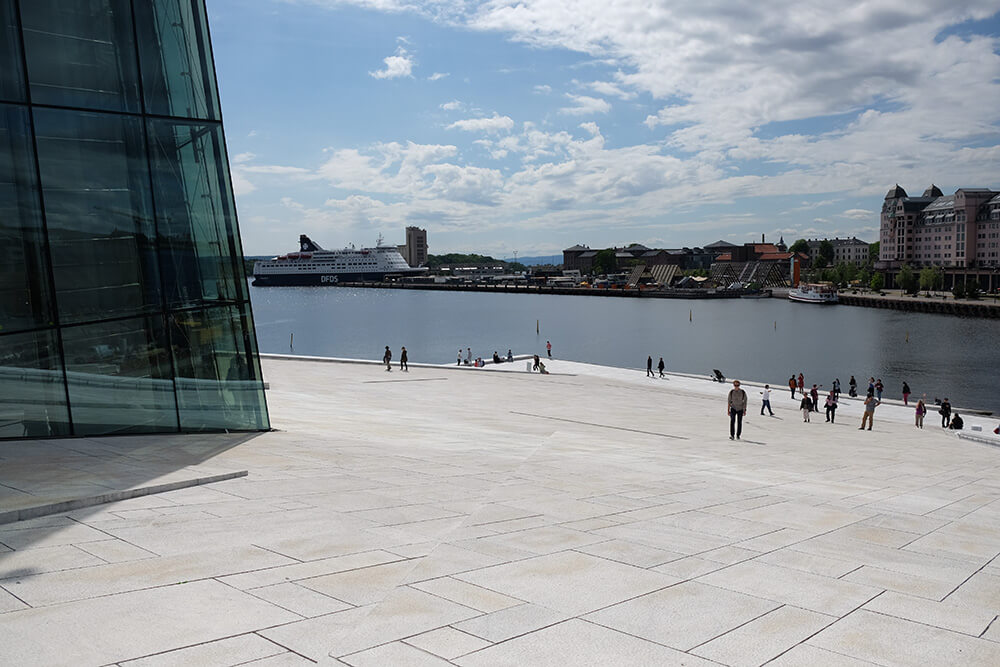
(845, 251)
(951, 231)
(415, 249)
(762, 263)
(124, 303)
(581, 258)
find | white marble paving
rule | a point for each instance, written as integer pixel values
(591, 516)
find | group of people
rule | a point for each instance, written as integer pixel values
(809, 403)
(649, 367)
(387, 360)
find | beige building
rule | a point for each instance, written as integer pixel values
(415, 250)
(960, 230)
(845, 251)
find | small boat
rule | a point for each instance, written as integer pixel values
(814, 293)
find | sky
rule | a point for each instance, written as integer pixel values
(529, 126)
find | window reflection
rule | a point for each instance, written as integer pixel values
(119, 377)
(32, 394)
(25, 295)
(95, 181)
(218, 377)
(81, 53)
(177, 74)
(11, 74)
(200, 255)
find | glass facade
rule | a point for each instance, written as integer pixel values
(123, 295)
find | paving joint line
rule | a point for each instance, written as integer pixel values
(614, 428)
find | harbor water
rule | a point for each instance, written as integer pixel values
(766, 340)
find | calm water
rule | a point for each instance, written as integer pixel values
(761, 339)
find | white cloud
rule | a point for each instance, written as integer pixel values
(396, 66)
(859, 214)
(243, 157)
(252, 133)
(454, 105)
(241, 185)
(495, 123)
(585, 106)
(438, 75)
(610, 89)
(542, 89)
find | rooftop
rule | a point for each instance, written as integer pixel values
(494, 516)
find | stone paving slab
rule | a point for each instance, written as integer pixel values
(592, 516)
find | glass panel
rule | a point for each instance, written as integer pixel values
(11, 76)
(25, 293)
(95, 181)
(200, 254)
(119, 377)
(32, 393)
(218, 377)
(81, 53)
(178, 77)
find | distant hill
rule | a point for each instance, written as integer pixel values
(541, 259)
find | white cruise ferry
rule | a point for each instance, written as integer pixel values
(808, 293)
(312, 265)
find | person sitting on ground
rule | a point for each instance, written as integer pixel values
(956, 422)
(541, 368)
(510, 356)
(496, 357)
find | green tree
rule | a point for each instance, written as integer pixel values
(906, 280)
(604, 261)
(873, 249)
(930, 278)
(821, 262)
(800, 246)
(959, 290)
(826, 251)
(877, 282)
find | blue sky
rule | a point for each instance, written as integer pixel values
(533, 125)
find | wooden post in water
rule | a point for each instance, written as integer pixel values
(291, 342)
(536, 327)
(691, 316)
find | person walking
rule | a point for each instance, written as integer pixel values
(403, 366)
(852, 388)
(661, 366)
(831, 406)
(836, 388)
(878, 389)
(537, 361)
(806, 406)
(814, 395)
(870, 404)
(871, 386)
(765, 400)
(737, 407)
(919, 413)
(802, 384)
(649, 367)
(791, 385)
(906, 393)
(548, 348)
(387, 359)
(945, 412)
(468, 356)
(459, 363)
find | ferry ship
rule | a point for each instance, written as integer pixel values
(312, 265)
(807, 293)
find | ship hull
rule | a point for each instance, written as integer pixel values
(318, 279)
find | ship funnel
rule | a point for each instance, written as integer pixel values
(306, 244)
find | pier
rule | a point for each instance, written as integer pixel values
(630, 292)
(945, 305)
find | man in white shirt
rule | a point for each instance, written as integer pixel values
(766, 400)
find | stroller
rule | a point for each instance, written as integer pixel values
(718, 377)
